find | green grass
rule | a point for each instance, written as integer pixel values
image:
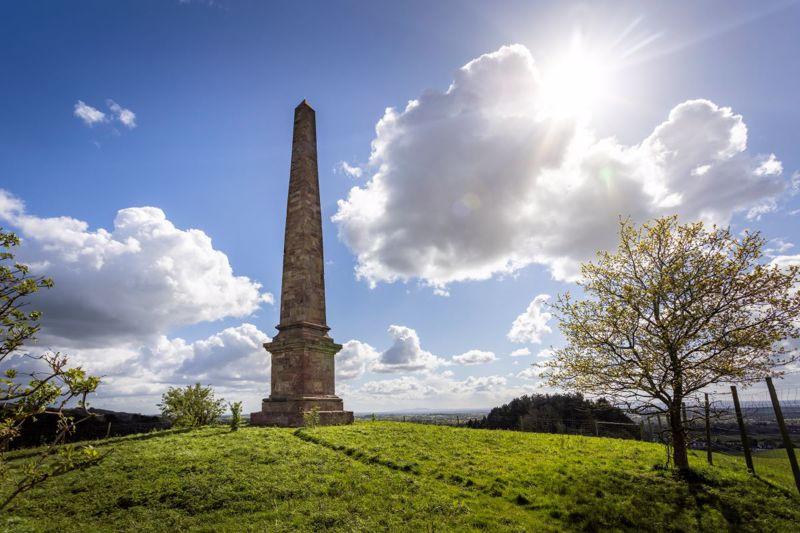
(772, 465)
(390, 476)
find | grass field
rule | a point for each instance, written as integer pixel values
(379, 476)
(772, 465)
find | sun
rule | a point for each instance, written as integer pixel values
(576, 82)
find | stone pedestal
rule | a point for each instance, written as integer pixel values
(302, 379)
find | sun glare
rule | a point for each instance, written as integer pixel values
(576, 82)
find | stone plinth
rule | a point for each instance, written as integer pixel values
(289, 413)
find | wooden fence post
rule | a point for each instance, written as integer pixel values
(660, 429)
(787, 442)
(740, 420)
(708, 434)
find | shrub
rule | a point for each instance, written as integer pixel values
(311, 417)
(191, 406)
(236, 415)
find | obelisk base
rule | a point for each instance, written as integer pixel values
(289, 412)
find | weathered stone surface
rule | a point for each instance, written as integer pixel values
(302, 351)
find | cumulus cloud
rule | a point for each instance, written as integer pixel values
(532, 373)
(353, 359)
(125, 116)
(134, 378)
(776, 247)
(531, 325)
(521, 352)
(480, 179)
(88, 114)
(133, 282)
(405, 387)
(439, 386)
(405, 353)
(474, 357)
(786, 260)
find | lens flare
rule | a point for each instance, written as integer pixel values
(576, 82)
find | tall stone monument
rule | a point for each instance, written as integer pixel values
(302, 351)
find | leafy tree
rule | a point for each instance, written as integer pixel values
(675, 309)
(236, 415)
(191, 406)
(49, 387)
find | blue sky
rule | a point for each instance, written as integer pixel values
(213, 86)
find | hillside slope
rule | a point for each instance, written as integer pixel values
(378, 476)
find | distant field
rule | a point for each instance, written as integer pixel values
(391, 476)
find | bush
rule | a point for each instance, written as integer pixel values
(311, 417)
(236, 415)
(191, 406)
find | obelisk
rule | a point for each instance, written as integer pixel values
(303, 376)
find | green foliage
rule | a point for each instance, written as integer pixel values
(191, 406)
(676, 309)
(555, 413)
(390, 476)
(23, 395)
(236, 415)
(311, 417)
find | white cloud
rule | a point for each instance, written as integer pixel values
(125, 116)
(521, 352)
(91, 115)
(532, 373)
(352, 171)
(405, 353)
(477, 384)
(132, 283)
(777, 247)
(478, 180)
(474, 357)
(405, 387)
(786, 260)
(436, 388)
(232, 360)
(544, 354)
(88, 114)
(532, 324)
(351, 362)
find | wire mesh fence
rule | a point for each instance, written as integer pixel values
(753, 434)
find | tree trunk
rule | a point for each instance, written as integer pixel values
(679, 453)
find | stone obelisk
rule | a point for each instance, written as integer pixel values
(302, 351)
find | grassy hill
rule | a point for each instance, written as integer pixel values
(376, 476)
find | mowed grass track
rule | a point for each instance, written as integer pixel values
(384, 476)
